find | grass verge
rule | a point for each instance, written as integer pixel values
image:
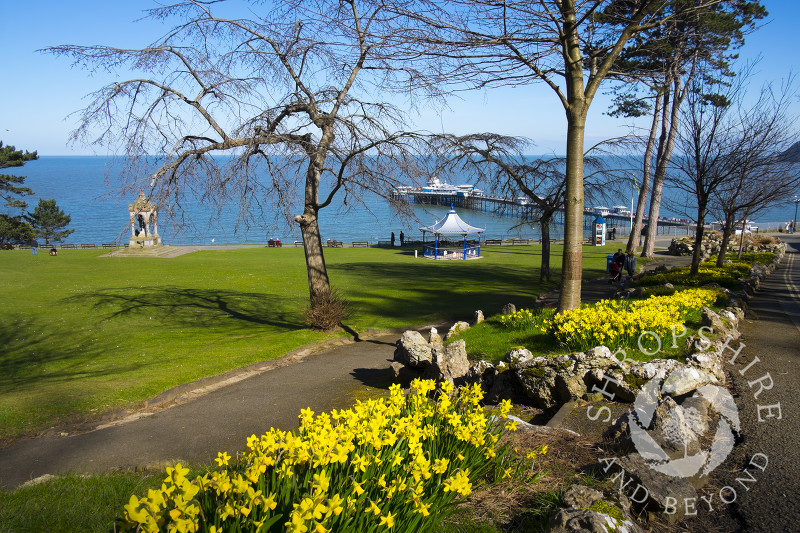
(85, 335)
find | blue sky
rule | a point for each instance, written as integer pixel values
(38, 92)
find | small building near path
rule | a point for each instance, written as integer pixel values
(452, 225)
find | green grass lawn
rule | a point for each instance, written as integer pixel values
(84, 335)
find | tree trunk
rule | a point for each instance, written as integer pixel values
(572, 261)
(644, 191)
(544, 224)
(318, 282)
(698, 239)
(727, 230)
(666, 143)
(741, 239)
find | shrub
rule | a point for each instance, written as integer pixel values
(326, 312)
(761, 238)
(397, 462)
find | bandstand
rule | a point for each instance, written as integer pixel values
(452, 224)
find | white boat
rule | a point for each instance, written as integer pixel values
(436, 186)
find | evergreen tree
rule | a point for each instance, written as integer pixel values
(13, 229)
(49, 221)
(11, 186)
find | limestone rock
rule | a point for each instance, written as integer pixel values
(583, 520)
(434, 339)
(412, 350)
(673, 432)
(658, 368)
(455, 329)
(712, 320)
(737, 311)
(538, 383)
(598, 357)
(505, 386)
(651, 489)
(581, 497)
(508, 309)
(685, 379)
(695, 411)
(709, 361)
(478, 317)
(404, 374)
(517, 357)
(450, 363)
(612, 383)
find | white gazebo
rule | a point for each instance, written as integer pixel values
(452, 224)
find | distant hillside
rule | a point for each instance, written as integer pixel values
(792, 153)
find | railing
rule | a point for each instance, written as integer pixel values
(430, 251)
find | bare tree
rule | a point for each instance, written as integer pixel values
(761, 176)
(666, 60)
(730, 153)
(296, 95)
(571, 46)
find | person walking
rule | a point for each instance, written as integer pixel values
(402, 238)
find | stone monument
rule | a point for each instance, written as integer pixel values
(144, 223)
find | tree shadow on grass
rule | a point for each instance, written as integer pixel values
(190, 307)
(410, 291)
(34, 355)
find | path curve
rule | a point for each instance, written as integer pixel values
(770, 356)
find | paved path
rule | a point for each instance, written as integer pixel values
(219, 420)
(771, 339)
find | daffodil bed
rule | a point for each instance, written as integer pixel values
(396, 463)
(727, 275)
(618, 323)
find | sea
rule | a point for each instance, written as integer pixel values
(88, 189)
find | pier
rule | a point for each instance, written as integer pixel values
(468, 197)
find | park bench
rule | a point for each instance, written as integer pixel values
(67, 246)
(360, 244)
(274, 244)
(88, 245)
(384, 244)
(109, 245)
(335, 244)
(298, 244)
(493, 242)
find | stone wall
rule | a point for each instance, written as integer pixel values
(673, 403)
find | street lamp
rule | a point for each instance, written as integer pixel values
(794, 222)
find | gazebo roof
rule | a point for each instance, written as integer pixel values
(452, 225)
